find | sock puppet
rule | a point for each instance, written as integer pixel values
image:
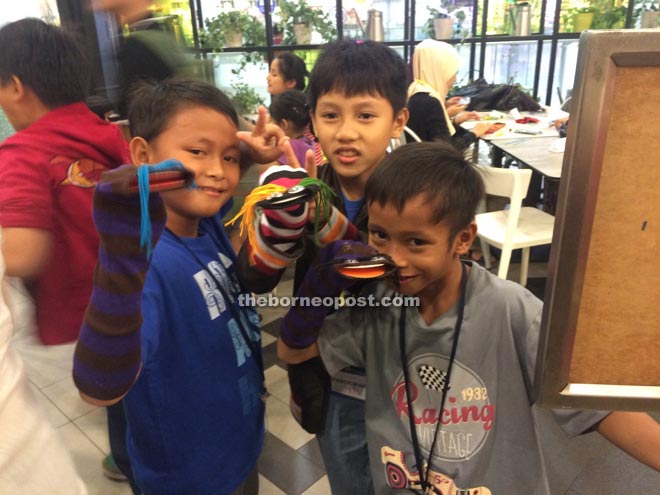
(129, 222)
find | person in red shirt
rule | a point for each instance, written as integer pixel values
(48, 171)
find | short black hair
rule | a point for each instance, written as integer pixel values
(292, 106)
(153, 104)
(46, 59)
(293, 68)
(450, 183)
(359, 67)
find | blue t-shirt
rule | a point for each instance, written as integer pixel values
(352, 207)
(195, 415)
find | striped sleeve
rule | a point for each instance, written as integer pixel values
(337, 228)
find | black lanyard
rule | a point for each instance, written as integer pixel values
(423, 469)
(256, 352)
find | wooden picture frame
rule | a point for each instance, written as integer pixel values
(600, 335)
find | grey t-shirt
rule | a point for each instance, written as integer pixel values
(487, 439)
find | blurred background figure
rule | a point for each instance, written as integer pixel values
(147, 47)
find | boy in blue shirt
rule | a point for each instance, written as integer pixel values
(195, 413)
(449, 389)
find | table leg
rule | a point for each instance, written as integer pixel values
(496, 156)
(533, 197)
(550, 192)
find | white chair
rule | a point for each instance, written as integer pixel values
(515, 227)
(395, 143)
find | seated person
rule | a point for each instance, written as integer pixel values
(435, 65)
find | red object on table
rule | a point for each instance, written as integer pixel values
(527, 120)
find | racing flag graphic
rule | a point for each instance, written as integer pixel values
(432, 378)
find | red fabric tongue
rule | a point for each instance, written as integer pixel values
(356, 272)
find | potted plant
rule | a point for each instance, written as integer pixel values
(445, 23)
(583, 18)
(440, 25)
(233, 29)
(298, 19)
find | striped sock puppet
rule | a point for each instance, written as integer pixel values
(129, 222)
(275, 216)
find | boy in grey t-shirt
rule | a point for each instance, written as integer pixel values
(454, 375)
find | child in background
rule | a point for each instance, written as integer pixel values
(289, 111)
(450, 382)
(287, 71)
(357, 97)
(195, 414)
(48, 170)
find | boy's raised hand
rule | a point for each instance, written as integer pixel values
(265, 139)
(310, 167)
(292, 159)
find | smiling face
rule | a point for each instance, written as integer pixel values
(204, 140)
(354, 132)
(276, 82)
(426, 254)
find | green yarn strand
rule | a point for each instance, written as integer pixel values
(323, 199)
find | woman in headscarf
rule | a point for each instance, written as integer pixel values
(435, 65)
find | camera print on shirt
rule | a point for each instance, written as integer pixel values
(465, 422)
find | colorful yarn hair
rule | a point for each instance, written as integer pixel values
(169, 174)
(249, 210)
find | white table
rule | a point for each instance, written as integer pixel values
(534, 153)
(511, 129)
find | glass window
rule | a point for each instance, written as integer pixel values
(179, 18)
(513, 61)
(246, 96)
(356, 18)
(447, 19)
(41, 9)
(565, 65)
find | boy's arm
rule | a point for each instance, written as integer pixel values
(302, 323)
(26, 251)
(637, 434)
(291, 355)
(26, 213)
